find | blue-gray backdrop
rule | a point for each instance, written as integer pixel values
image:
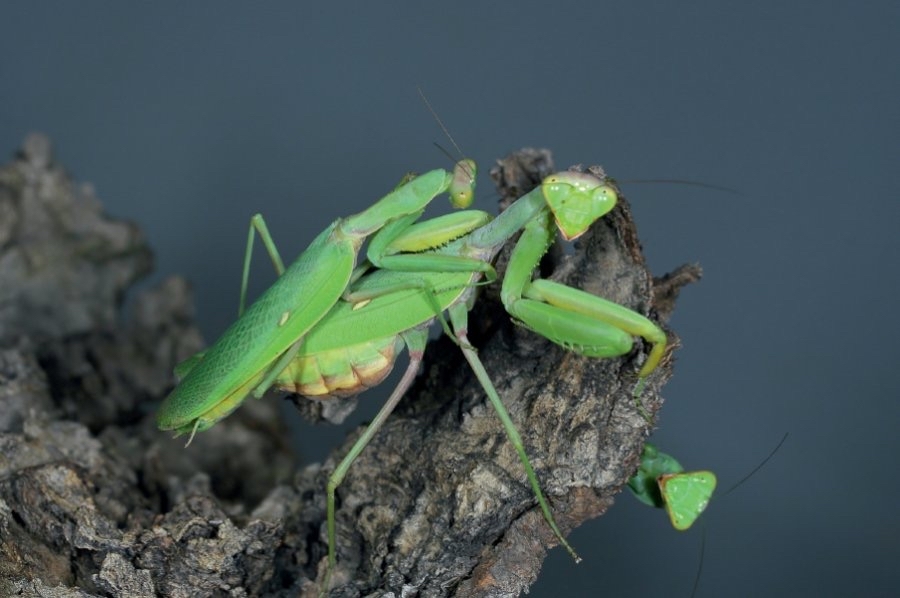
(188, 118)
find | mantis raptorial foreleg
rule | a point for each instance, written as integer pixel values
(577, 320)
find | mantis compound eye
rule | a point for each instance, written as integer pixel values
(605, 196)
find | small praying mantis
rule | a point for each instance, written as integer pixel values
(661, 481)
(341, 341)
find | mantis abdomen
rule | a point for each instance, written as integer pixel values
(343, 372)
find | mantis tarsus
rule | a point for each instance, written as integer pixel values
(351, 343)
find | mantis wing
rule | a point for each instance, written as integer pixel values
(250, 346)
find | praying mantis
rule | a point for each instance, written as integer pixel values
(328, 327)
(662, 482)
(258, 346)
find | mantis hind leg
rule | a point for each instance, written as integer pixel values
(459, 317)
(257, 225)
(415, 341)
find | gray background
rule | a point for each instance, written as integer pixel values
(189, 119)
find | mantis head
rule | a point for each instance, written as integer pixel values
(661, 481)
(577, 199)
(462, 185)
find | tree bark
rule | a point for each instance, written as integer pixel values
(94, 501)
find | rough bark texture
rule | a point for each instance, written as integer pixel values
(94, 501)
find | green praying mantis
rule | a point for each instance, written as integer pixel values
(331, 328)
(662, 482)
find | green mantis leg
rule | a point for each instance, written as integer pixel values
(398, 248)
(401, 236)
(398, 245)
(415, 340)
(459, 316)
(258, 225)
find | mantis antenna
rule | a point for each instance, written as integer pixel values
(439, 121)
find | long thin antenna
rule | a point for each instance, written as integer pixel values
(462, 187)
(727, 492)
(439, 121)
(444, 151)
(684, 182)
(760, 466)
